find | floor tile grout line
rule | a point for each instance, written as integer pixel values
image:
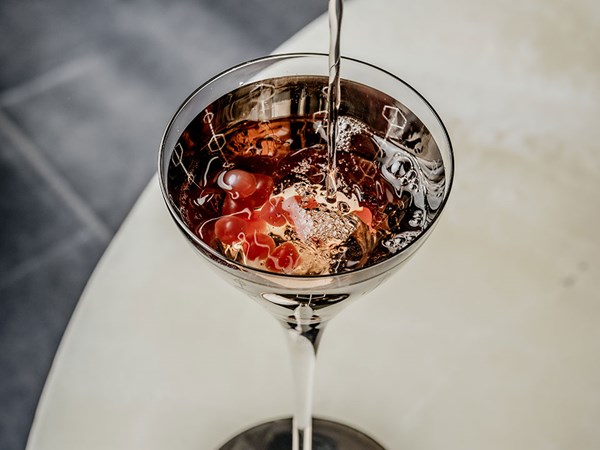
(61, 187)
(47, 80)
(29, 265)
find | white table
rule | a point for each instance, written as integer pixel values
(488, 339)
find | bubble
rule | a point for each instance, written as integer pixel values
(348, 127)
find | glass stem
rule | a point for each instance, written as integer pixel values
(303, 339)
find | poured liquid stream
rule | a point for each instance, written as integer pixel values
(333, 94)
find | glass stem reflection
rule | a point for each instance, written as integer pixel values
(304, 334)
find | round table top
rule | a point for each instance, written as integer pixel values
(488, 338)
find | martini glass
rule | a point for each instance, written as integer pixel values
(294, 85)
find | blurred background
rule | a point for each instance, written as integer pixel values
(86, 89)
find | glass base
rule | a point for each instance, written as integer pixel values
(277, 435)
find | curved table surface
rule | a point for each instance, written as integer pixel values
(489, 338)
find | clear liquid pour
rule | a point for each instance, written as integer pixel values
(333, 95)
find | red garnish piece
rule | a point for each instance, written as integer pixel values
(231, 206)
(230, 229)
(258, 246)
(273, 213)
(310, 203)
(264, 189)
(255, 224)
(283, 259)
(365, 215)
(241, 184)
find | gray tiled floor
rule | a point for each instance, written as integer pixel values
(86, 89)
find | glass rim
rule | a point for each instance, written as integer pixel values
(284, 56)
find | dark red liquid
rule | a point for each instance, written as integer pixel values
(256, 194)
